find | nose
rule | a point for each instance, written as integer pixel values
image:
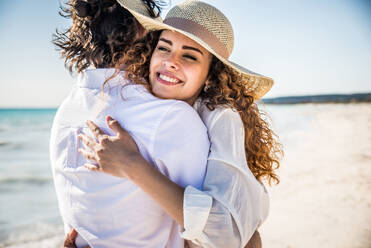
(170, 63)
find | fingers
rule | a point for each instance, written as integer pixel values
(69, 242)
(98, 133)
(115, 125)
(73, 235)
(88, 155)
(255, 241)
(92, 167)
(89, 142)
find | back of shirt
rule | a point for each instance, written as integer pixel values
(108, 211)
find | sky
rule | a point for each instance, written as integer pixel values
(307, 46)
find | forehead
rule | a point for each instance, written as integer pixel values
(178, 39)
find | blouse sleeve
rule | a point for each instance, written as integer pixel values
(232, 204)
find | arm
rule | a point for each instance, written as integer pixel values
(178, 142)
(119, 156)
(205, 213)
(239, 201)
(164, 191)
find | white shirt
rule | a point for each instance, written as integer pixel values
(108, 211)
(232, 204)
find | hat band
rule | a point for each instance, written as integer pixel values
(200, 32)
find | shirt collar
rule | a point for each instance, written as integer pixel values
(95, 78)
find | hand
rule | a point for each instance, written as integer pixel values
(115, 155)
(255, 241)
(69, 242)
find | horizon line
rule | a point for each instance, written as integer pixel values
(263, 99)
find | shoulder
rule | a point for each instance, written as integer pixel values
(219, 116)
(179, 124)
(181, 115)
(181, 107)
(181, 145)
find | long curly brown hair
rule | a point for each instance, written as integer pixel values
(225, 88)
(101, 31)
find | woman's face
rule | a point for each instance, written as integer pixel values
(179, 67)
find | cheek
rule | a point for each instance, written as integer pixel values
(155, 61)
(152, 69)
(198, 78)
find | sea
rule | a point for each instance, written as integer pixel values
(29, 215)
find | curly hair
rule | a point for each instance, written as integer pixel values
(101, 31)
(262, 148)
(225, 88)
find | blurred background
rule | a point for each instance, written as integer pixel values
(308, 47)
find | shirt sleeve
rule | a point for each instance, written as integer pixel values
(181, 146)
(232, 204)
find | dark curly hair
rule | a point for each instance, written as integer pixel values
(225, 88)
(100, 33)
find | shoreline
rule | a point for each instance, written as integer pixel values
(328, 98)
(284, 100)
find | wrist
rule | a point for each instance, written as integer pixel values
(135, 167)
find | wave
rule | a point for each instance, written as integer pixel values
(32, 180)
(5, 143)
(5, 128)
(11, 145)
(26, 128)
(37, 235)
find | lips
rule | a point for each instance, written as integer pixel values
(167, 78)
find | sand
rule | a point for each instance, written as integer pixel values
(324, 198)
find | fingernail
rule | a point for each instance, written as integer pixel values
(110, 119)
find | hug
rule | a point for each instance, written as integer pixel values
(160, 143)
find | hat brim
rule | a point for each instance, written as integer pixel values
(258, 85)
(147, 22)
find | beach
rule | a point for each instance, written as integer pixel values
(323, 199)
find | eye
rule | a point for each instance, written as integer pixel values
(163, 49)
(187, 56)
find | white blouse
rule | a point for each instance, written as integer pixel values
(233, 204)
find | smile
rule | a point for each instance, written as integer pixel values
(167, 79)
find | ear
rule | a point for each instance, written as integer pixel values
(207, 85)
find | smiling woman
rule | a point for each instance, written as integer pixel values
(182, 63)
(179, 67)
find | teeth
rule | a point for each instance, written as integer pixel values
(169, 79)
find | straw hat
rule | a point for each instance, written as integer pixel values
(207, 26)
(140, 11)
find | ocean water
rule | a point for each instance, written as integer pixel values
(29, 215)
(28, 205)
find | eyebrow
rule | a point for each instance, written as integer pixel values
(184, 47)
(192, 48)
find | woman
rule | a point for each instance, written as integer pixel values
(233, 203)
